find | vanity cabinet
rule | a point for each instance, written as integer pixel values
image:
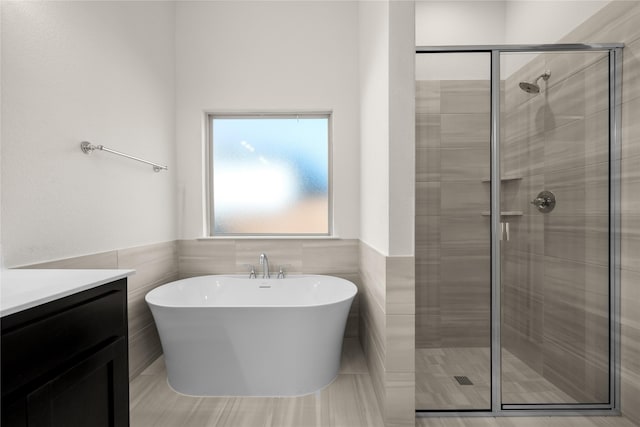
(65, 363)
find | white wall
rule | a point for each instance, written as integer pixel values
(267, 56)
(401, 129)
(540, 22)
(387, 153)
(447, 23)
(374, 123)
(97, 71)
(441, 23)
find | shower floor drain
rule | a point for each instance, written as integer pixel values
(463, 380)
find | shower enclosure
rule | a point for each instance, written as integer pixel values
(517, 253)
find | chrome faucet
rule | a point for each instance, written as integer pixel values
(264, 262)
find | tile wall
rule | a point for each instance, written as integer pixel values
(552, 141)
(387, 315)
(619, 22)
(155, 265)
(555, 274)
(452, 236)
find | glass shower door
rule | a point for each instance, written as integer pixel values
(555, 216)
(453, 245)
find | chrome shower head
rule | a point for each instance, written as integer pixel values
(533, 87)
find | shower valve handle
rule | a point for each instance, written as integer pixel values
(541, 202)
(545, 201)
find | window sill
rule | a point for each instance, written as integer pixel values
(299, 237)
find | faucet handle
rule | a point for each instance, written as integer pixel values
(282, 272)
(252, 271)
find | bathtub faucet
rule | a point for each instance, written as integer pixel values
(264, 262)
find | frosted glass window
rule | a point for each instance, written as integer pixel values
(270, 175)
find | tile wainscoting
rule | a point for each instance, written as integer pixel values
(382, 315)
(334, 257)
(155, 265)
(387, 332)
(160, 263)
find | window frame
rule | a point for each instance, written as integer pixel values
(209, 209)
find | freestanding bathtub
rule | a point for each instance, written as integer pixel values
(236, 336)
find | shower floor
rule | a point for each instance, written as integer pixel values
(437, 389)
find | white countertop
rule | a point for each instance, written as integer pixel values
(21, 289)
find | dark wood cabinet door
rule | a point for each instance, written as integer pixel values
(90, 393)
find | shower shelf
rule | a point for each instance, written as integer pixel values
(504, 178)
(503, 213)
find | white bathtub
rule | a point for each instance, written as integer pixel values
(235, 336)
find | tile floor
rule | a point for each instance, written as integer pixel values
(526, 422)
(347, 402)
(437, 389)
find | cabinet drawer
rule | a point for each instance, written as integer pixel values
(37, 344)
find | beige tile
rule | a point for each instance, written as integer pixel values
(144, 348)
(106, 260)
(427, 96)
(428, 328)
(152, 272)
(630, 186)
(374, 358)
(192, 266)
(296, 411)
(400, 339)
(428, 130)
(373, 273)
(465, 164)
(374, 317)
(464, 198)
(597, 83)
(578, 238)
(565, 147)
(352, 361)
(566, 101)
(631, 71)
(330, 256)
(427, 198)
(400, 285)
(139, 315)
(427, 164)
(580, 191)
(280, 252)
(460, 96)
(630, 367)
(465, 130)
(436, 387)
(525, 155)
(470, 229)
(131, 257)
(348, 401)
(586, 421)
(243, 412)
(201, 257)
(149, 407)
(527, 117)
(427, 238)
(631, 128)
(617, 21)
(400, 406)
(594, 65)
(208, 248)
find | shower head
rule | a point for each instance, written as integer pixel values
(533, 87)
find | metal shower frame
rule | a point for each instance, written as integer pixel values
(615, 99)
